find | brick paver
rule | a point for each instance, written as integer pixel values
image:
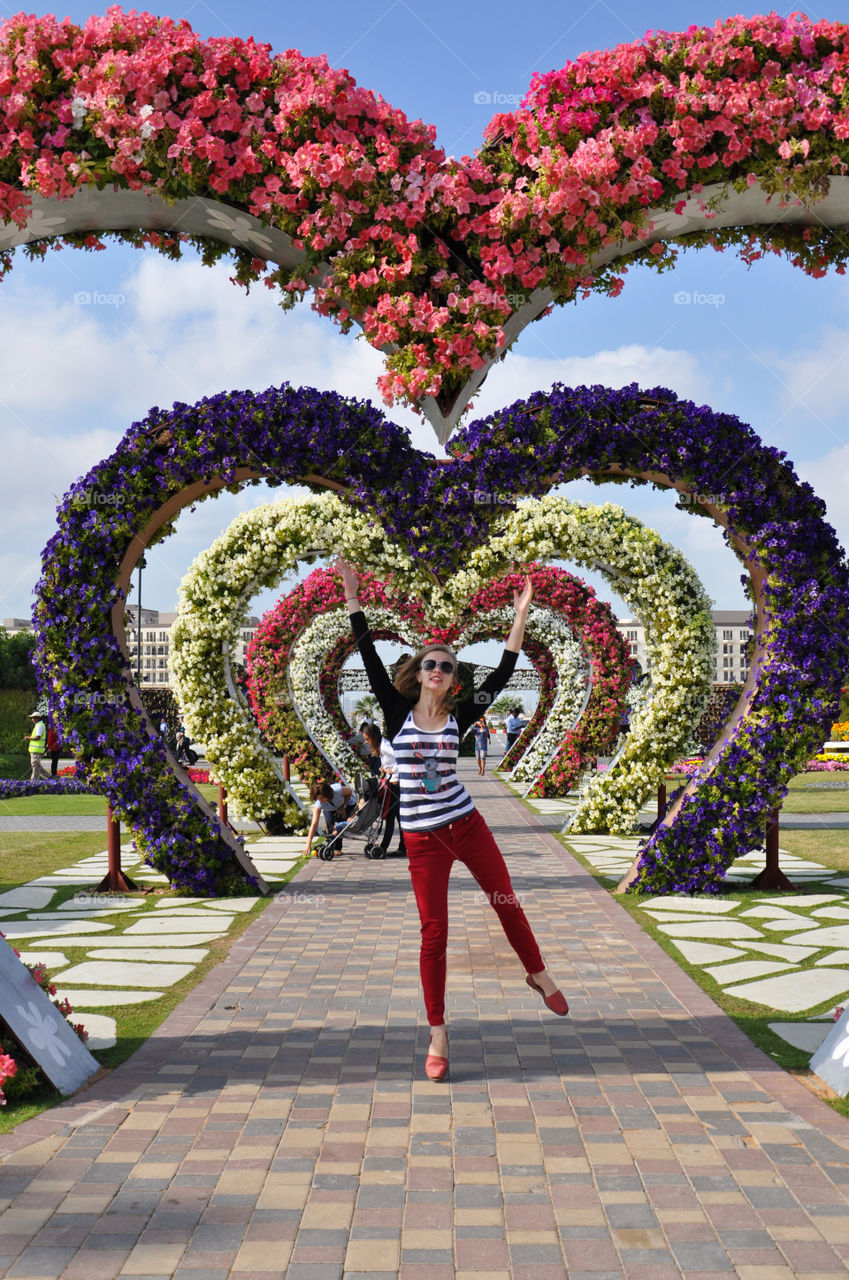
(279, 1122)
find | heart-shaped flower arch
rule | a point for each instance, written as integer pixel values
(270, 654)
(544, 626)
(133, 126)
(261, 545)
(435, 518)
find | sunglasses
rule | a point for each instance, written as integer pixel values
(430, 664)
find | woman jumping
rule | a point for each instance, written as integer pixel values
(440, 823)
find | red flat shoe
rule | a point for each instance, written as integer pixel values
(555, 1002)
(436, 1068)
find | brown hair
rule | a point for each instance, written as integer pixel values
(321, 790)
(405, 677)
(373, 736)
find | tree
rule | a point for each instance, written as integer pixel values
(366, 707)
(16, 669)
(503, 705)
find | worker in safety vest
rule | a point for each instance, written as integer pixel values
(37, 746)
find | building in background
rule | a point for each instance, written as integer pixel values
(156, 638)
(733, 633)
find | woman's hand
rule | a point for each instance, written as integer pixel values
(350, 582)
(522, 600)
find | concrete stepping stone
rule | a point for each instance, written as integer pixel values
(164, 940)
(179, 913)
(161, 924)
(53, 959)
(102, 1031)
(192, 955)
(178, 902)
(834, 957)
(232, 904)
(795, 992)
(134, 973)
(674, 915)
(26, 897)
(835, 935)
(98, 999)
(53, 927)
(706, 952)
(841, 882)
(783, 950)
(831, 913)
(99, 902)
(743, 969)
(772, 913)
(679, 902)
(803, 899)
(75, 915)
(807, 1036)
(730, 929)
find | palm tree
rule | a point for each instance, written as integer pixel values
(365, 708)
(503, 705)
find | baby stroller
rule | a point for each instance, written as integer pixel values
(367, 822)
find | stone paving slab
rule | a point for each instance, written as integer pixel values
(279, 1121)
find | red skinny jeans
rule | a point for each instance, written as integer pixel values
(431, 856)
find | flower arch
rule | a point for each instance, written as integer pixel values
(133, 126)
(260, 545)
(774, 523)
(391, 609)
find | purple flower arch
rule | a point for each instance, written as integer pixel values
(774, 523)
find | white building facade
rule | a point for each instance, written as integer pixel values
(733, 633)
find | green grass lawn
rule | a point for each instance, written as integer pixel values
(831, 848)
(26, 855)
(65, 806)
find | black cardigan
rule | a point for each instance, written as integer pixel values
(395, 706)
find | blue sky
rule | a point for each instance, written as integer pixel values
(771, 348)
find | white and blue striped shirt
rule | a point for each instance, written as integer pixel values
(431, 793)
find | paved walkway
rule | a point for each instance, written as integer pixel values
(279, 1122)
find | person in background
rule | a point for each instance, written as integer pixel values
(333, 804)
(389, 770)
(374, 738)
(37, 746)
(482, 737)
(54, 749)
(514, 726)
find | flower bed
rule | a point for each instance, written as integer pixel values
(19, 1075)
(14, 790)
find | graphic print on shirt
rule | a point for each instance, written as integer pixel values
(431, 793)
(430, 777)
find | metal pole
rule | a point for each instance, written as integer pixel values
(138, 631)
(772, 877)
(661, 802)
(222, 803)
(286, 771)
(115, 881)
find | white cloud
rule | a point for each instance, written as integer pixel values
(520, 376)
(829, 478)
